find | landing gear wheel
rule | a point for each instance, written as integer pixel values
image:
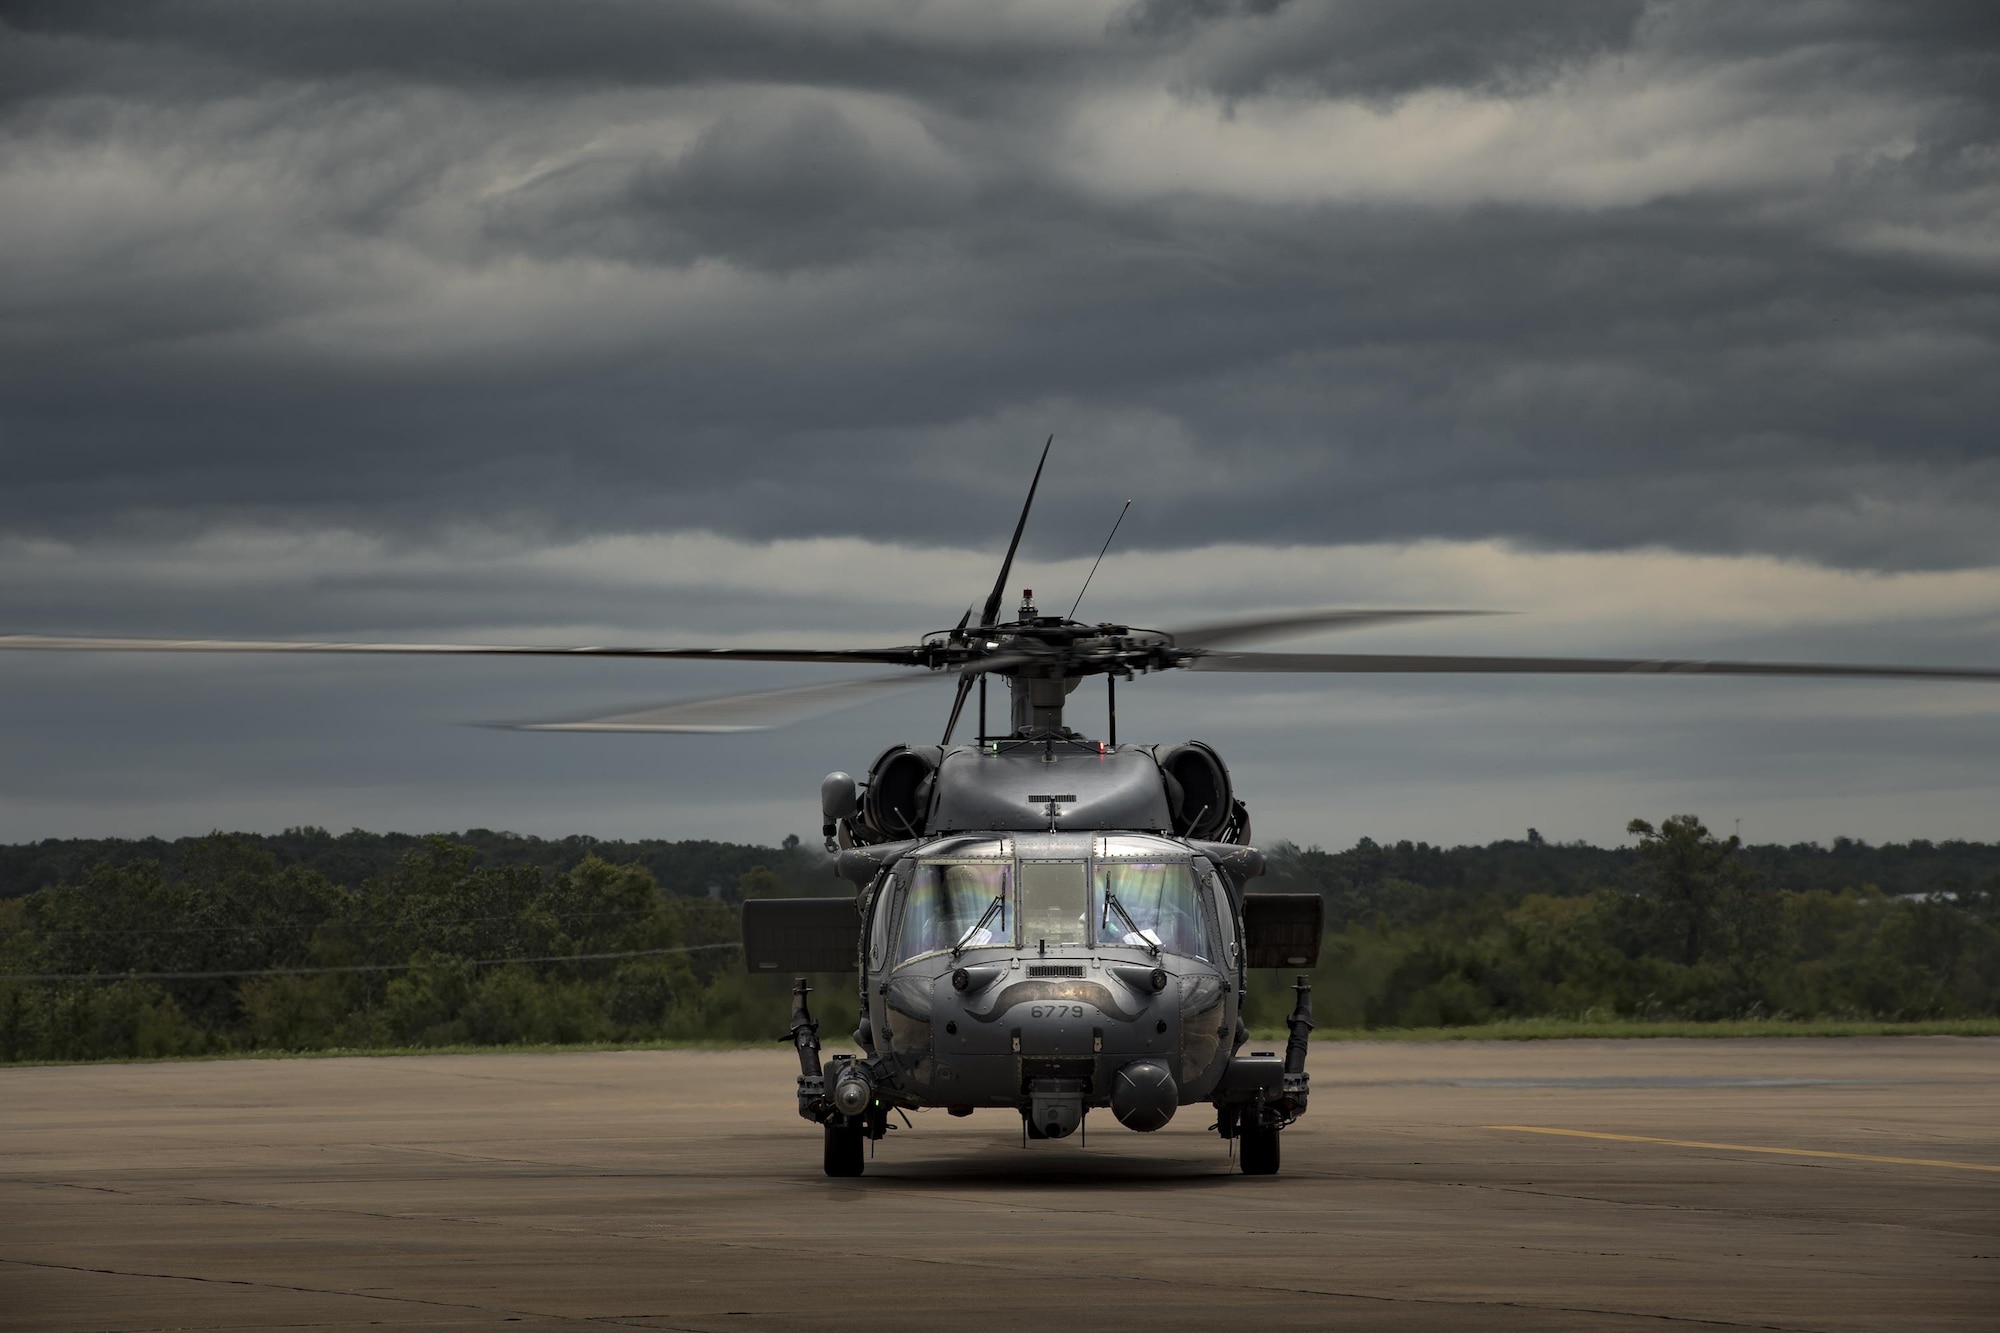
(1257, 1151)
(843, 1150)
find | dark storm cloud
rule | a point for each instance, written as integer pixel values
(1713, 276)
(584, 43)
(741, 191)
(1386, 50)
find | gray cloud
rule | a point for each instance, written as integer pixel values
(391, 267)
(1388, 50)
(585, 44)
(1580, 276)
(375, 263)
(777, 185)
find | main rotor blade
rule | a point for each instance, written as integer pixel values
(965, 680)
(758, 711)
(991, 613)
(906, 656)
(1407, 664)
(1219, 632)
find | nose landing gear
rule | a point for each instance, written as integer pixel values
(1257, 1150)
(1255, 1124)
(850, 1115)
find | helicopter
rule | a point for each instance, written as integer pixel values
(1043, 923)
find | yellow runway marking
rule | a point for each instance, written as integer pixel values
(1746, 1147)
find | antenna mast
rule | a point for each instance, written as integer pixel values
(1095, 563)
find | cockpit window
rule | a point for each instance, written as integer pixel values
(1142, 902)
(1055, 903)
(953, 902)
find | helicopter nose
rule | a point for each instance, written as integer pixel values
(1060, 1028)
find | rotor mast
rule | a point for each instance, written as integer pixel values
(1038, 703)
(1037, 694)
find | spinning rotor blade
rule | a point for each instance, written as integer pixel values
(1406, 664)
(1217, 633)
(759, 711)
(991, 612)
(45, 642)
(1001, 663)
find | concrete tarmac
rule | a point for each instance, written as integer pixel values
(1796, 1184)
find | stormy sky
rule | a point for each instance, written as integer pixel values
(1669, 326)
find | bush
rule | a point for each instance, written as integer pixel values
(88, 1021)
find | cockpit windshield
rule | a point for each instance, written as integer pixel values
(1150, 903)
(1055, 907)
(954, 905)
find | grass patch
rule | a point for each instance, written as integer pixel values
(1555, 1029)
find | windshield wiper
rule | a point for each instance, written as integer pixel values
(1111, 904)
(999, 901)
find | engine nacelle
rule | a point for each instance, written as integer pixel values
(1052, 784)
(1198, 791)
(900, 784)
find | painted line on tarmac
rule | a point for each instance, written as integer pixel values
(1745, 1147)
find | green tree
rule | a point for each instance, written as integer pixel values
(1700, 886)
(231, 908)
(761, 882)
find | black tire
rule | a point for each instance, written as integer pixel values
(843, 1151)
(1257, 1151)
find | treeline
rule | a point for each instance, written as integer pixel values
(1409, 881)
(234, 950)
(351, 859)
(1365, 879)
(308, 941)
(1682, 926)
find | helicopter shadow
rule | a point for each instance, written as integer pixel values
(1015, 1168)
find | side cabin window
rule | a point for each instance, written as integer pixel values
(949, 902)
(1151, 902)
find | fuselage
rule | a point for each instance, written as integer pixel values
(1031, 970)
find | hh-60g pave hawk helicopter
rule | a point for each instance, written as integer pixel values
(1043, 922)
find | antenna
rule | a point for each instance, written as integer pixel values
(1095, 563)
